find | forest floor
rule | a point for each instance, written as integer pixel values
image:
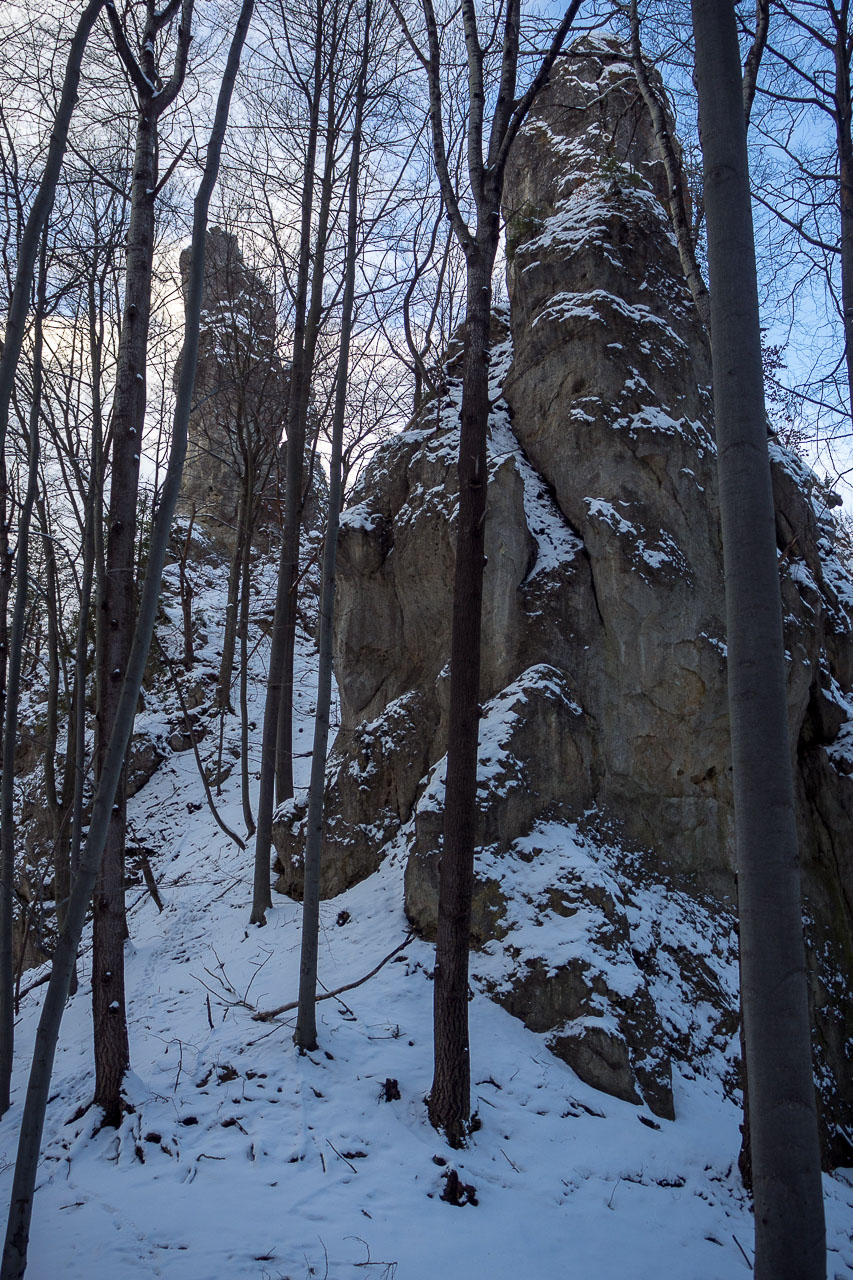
(243, 1158)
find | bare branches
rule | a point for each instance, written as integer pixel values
(268, 1015)
(753, 58)
(144, 87)
(526, 101)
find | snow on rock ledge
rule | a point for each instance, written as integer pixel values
(605, 567)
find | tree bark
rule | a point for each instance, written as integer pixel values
(288, 566)
(109, 928)
(305, 1035)
(245, 600)
(10, 724)
(789, 1228)
(32, 1125)
(843, 118)
(302, 369)
(449, 1099)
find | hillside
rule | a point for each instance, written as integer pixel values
(242, 1158)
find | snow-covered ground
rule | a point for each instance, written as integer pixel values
(242, 1158)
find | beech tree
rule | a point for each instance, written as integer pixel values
(449, 1100)
(784, 1143)
(116, 612)
(319, 83)
(305, 1034)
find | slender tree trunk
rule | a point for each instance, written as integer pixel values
(229, 638)
(305, 1035)
(32, 1125)
(92, 565)
(56, 806)
(10, 725)
(753, 58)
(450, 1095)
(288, 565)
(297, 430)
(187, 598)
(245, 599)
(789, 1227)
(843, 117)
(53, 672)
(109, 930)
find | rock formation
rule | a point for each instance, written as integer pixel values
(241, 397)
(604, 642)
(241, 387)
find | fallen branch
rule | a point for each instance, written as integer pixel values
(268, 1014)
(211, 804)
(150, 882)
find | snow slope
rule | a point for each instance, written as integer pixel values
(242, 1158)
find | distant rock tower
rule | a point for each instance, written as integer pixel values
(604, 644)
(241, 392)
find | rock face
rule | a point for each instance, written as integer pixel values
(241, 387)
(603, 632)
(241, 394)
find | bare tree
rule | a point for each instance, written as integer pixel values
(116, 603)
(318, 79)
(32, 1125)
(10, 725)
(789, 1226)
(305, 1035)
(449, 1099)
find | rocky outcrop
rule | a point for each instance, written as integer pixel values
(241, 395)
(241, 388)
(603, 629)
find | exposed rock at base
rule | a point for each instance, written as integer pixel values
(373, 779)
(605, 567)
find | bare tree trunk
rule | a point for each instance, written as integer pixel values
(229, 637)
(10, 724)
(789, 1226)
(51, 596)
(305, 1035)
(753, 58)
(187, 597)
(32, 1125)
(843, 115)
(109, 927)
(288, 566)
(297, 426)
(449, 1099)
(56, 805)
(245, 599)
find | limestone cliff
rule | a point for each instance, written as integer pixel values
(241, 388)
(240, 400)
(604, 642)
